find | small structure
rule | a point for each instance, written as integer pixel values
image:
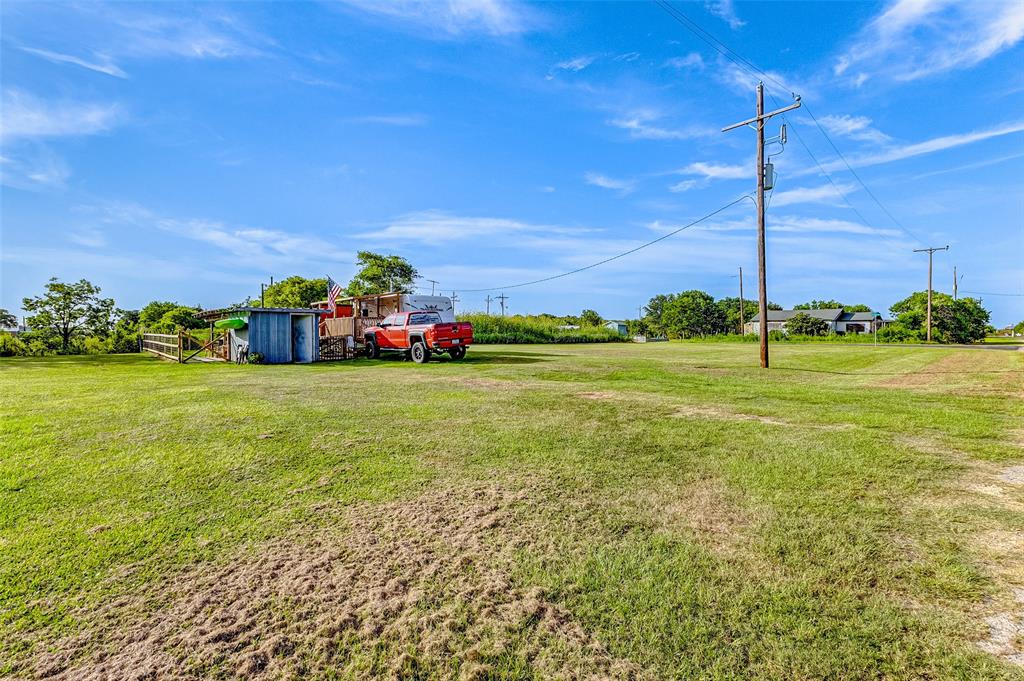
(618, 326)
(282, 335)
(839, 321)
(357, 313)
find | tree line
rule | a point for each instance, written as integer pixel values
(73, 318)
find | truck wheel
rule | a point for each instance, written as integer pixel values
(457, 353)
(419, 352)
(372, 349)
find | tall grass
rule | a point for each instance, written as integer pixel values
(527, 329)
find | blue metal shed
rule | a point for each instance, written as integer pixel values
(281, 334)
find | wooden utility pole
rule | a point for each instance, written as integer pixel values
(432, 285)
(455, 299)
(742, 324)
(501, 301)
(488, 300)
(928, 318)
(762, 286)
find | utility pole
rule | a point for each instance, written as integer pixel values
(501, 301)
(741, 302)
(432, 285)
(455, 299)
(762, 285)
(930, 251)
(488, 300)
(956, 281)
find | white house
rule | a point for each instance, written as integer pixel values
(838, 320)
(617, 326)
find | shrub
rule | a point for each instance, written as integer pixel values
(803, 324)
(533, 329)
(12, 346)
(898, 333)
(256, 358)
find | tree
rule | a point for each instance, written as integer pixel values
(180, 317)
(590, 318)
(803, 324)
(69, 311)
(1019, 328)
(692, 313)
(7, 320)
(960, 321)
(831, 305)
(295, 292)
(150, 315)
(382, 274)
(731, 309)
(953, 321)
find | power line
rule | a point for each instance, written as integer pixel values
(614, 257)
(743, 63)
(983, 293)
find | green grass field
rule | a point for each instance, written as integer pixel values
(647, 511)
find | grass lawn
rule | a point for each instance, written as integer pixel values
(608, 511)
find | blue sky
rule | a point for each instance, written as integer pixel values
(189, 152)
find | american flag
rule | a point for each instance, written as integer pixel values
(333, 291)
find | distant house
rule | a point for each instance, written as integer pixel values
(838, 320)
(617, 326)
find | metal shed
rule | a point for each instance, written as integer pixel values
(283, 335)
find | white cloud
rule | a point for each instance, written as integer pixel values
(548, 189)
(642, 124)
(577, 64)
(898, 153)
(599, 180)
(826, 193)
(89, 237)
(913, 39)
(33, 168)
(439, 227)
(724, 10)
(454, 18)
(104, 65)
(26, 116)
(257, 246)
(854, 127)
(628, 56)
(399, 120)
(685, 185)
(692, 60)
(716, 171)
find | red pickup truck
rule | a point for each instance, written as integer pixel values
(419, 334)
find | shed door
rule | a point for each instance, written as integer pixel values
(302, 338)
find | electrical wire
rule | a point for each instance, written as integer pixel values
(743, 63)
(982, 293)
(614, 257)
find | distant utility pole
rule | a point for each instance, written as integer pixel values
(741, 302)
(956, 281)
(455, 299)
(488, 299)
(762, 285)
(432, 285)
(930, 251)
(501, 301)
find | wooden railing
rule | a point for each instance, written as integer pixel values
(183, 346)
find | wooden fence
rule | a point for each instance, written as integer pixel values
(182, 346)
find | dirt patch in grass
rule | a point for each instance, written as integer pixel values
(694, 411)
(1006, 632)
(704, 509)
(597, 395)
(1013, 475)
(417, 588)
(969, 372)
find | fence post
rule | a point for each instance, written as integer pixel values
(179, 346)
